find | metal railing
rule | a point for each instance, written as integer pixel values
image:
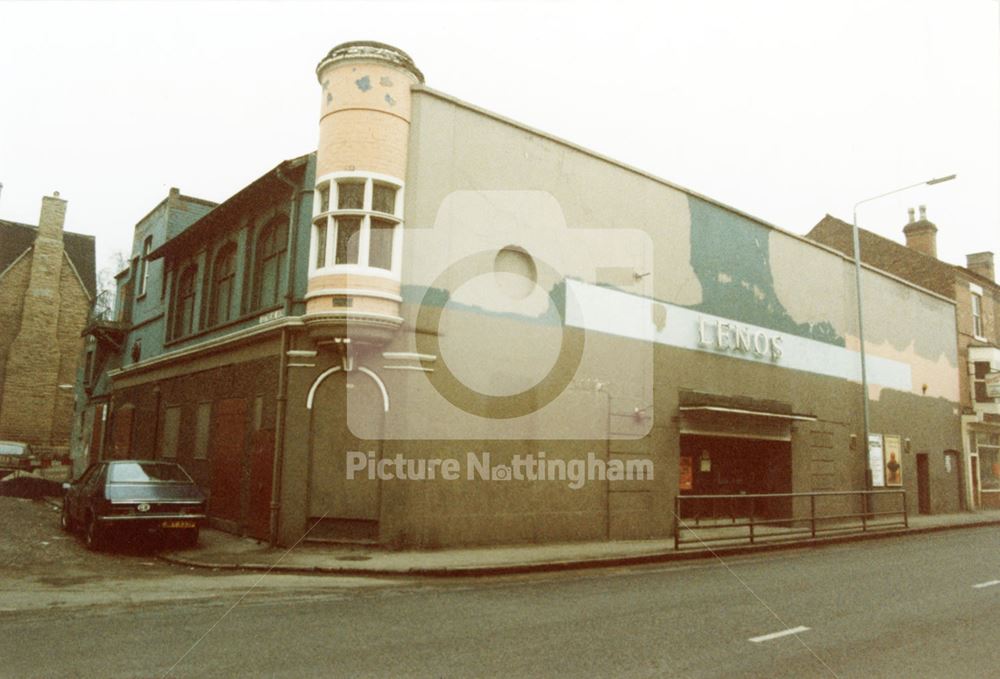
(782, 517)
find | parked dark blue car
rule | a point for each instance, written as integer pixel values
(133, 495)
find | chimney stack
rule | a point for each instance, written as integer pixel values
(982, 264)
(921, 235)
(912, 214)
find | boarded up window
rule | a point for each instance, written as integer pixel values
(121, 438)
(201, 430)
(171, 431)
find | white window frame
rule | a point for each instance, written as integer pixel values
(327, 220)
(147, 245)
(976, 295)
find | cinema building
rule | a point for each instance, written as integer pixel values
(436, 282)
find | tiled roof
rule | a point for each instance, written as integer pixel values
(888, 255)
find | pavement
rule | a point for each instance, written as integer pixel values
(222, 551)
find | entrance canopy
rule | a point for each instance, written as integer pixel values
(737, 416)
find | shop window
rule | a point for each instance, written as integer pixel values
(221, 308)
(270, 259)
(184, 314)
(363, 230)
(988, 447)
(202, 421)
(171, 432)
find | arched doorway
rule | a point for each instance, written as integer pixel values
(342, 508)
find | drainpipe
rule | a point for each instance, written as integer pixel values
(282, 398)
(158, 396)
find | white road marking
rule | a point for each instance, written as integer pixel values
(986, 584)
(777, 635)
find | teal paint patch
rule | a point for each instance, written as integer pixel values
(437, 297)
(730, 255)
(364, 84)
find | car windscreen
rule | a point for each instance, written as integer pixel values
(7, 448)
(147, 472)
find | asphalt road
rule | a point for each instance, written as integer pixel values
(919, 606)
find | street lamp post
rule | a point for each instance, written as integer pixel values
(861, 320)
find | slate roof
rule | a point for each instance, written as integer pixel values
(15, 238)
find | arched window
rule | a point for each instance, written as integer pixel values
(184, 309)
(269, 258)
(221, 308)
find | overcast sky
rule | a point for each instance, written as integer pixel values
(787, 110)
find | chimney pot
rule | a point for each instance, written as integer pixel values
(913, 214)
(921, 235)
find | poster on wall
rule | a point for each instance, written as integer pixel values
(687, 473)
(893, 461)
(876, 461)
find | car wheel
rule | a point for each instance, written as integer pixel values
(65, 520)
(93, 535)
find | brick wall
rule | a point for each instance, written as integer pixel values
(41, 344)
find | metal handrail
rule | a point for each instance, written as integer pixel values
(814, 521)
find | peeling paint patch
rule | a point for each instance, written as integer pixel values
(329, 97)
(389, 100)
(659, 316)
(364, 84)
(326, 85)
(385, 81)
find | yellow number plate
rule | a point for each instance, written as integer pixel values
(178, 524)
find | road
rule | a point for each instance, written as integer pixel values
(922, 606)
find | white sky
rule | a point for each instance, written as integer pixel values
(783, 109)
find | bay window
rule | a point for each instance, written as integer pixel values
(361, 231)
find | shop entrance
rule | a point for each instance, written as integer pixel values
(718, 465)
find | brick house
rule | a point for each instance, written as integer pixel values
(976, 293)
(47, 284)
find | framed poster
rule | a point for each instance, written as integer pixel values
(687, 473)
(876, 461)
(893, 454)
